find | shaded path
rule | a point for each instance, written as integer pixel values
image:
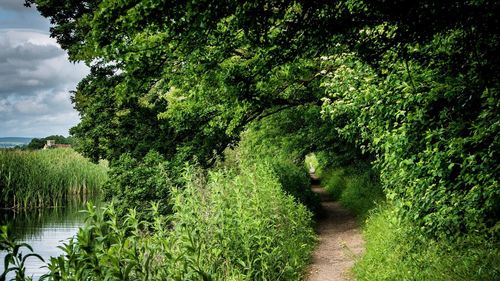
(340, 241)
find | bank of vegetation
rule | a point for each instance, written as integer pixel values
(226, 225)
(399, 100)
(45, 178)
(395, 249)
(244, 219)
(355, 184)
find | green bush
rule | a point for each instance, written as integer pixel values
(295, 181)
(108, 247)
(261, 143)
(334, 182)
(250, 229)
(362, 189)
(395, 251)
(137, 183)
(224, 227)
(432, 121)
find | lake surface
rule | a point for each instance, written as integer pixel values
(45, 229)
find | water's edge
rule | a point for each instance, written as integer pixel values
(44, 229)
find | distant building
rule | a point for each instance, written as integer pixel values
(53, 144)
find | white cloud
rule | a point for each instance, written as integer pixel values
(39, 115)
(20, 35)
(35, 80)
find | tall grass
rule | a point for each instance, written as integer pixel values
(46, 177)
(254, 149)
(396, 251)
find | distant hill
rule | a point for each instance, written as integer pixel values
(9, 142)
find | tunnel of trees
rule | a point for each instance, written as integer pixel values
(409, 86)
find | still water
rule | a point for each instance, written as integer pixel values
(45, 229)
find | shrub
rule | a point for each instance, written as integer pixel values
(223, 227)
(259, 144)
(431, 119)
(295, 181)
(250, 229)
(137, 183)
(334, 182)
(110, 248)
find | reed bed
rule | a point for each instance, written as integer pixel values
(30, 179)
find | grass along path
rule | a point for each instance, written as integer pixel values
(340, 241)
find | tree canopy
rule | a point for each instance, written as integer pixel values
(208, 69)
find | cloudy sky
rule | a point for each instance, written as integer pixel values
(35, 76)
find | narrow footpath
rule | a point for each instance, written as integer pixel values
(340, 240)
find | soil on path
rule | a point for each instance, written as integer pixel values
(340, 240)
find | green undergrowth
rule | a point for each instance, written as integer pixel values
(396, 251)
(296, 182)
(260, 145)
(44, 178)
(293, 178)
(226, 225)
(355, 185)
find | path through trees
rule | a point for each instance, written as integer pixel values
(340, 241)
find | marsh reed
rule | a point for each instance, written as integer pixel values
(41, 178)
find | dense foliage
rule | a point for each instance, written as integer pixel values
(283, 139)
(412, 84)
(229, 226)
(137, 184)
(434, 129)
(30, 179)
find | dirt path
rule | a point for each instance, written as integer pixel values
(340, 241)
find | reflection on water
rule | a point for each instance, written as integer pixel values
(44, 230)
